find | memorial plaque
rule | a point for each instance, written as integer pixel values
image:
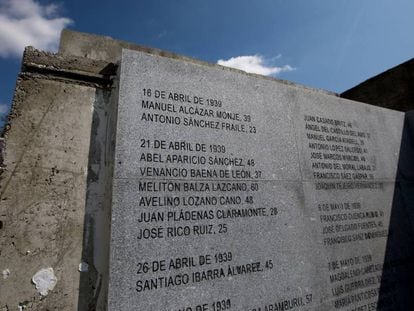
(238, 192)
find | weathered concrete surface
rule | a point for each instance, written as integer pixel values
(391, 89)
(69, 67)
(50, 193)
(73, 43)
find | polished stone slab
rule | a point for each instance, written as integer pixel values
(233, 191)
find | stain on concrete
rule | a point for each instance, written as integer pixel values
(44, 179)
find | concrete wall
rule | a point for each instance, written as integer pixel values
(393, 89)
(55, 195)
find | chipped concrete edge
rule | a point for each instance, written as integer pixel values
(75, 69)
(69, 67)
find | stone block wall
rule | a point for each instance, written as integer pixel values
(393, 89)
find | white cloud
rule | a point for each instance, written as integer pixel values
(26, 22)
(3, 109)
(254, 64)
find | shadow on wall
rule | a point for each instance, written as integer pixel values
(397, 282)
(96, 232)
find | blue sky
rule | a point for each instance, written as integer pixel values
(327, 44)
